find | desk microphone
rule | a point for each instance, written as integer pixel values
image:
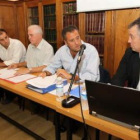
(71, 101)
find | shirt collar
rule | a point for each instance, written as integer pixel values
(39, 45)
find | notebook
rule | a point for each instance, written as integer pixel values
(112, 103)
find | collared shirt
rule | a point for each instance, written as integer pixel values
(138, 86)
(88, 67)
(15, 52)
(40, 55)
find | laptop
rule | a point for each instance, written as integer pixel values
(113, 103)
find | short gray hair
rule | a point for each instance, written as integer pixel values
(37, 29)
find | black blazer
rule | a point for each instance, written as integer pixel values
(128, 70)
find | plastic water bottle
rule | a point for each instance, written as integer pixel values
(84, 100)
(59, 89)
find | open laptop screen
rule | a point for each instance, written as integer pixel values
(117, 103)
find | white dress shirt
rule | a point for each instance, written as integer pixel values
(15, 52)
(88, 67)
(40, 55)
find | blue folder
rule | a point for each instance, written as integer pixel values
(75, 92)
(44, 90)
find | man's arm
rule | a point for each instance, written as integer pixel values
(30, 70)
(64, 74)
(45, 73)
(16, 65)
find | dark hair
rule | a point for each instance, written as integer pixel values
(2, 31)
(135, 22)
(70, 28)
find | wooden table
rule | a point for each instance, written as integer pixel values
(49, 100)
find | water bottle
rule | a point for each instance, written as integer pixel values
(84, 100)
(59, 89)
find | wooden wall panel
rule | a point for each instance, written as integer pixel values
(59, 23)
(109, 41)
(21, 24)
(8, 19)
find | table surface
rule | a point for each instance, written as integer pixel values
(49, 100)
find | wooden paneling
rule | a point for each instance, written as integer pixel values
(48, 2)
(8, 18)
(32, 3)
(59, 23)
(82, 25)
(21, 24)
(109, 41)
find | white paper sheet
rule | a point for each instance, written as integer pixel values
(5, 73)
(42, 82)
(21, 78)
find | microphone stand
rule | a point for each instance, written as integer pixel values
(71, 101)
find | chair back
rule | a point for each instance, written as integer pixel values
(104, 75)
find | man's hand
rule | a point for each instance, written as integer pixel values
(43, 74)
(64, 74)
(13, 66)
(22, 71)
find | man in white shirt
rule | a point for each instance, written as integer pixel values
(39, 52)
(11, 51)
(67, 57)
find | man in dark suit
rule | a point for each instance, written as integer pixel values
(129, 67)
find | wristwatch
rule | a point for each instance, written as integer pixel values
(71, 76)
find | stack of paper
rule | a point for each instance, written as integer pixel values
(20, 78)
(9, 75)
(43, 85)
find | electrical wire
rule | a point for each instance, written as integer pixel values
(85, 126)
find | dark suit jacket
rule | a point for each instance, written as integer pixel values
(128, 70)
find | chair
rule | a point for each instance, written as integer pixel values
(104, 75)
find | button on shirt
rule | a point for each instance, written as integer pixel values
(40, 55)
(15, 53)
(88, 67)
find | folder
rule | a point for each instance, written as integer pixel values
(76, 92)
(44, 90)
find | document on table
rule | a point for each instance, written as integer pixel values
(44, 85)
(7, 73)
(40, 82)
(20, 78)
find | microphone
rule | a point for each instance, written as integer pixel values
(71, 101)
(83, 46)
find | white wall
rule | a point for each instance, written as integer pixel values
(97, 5)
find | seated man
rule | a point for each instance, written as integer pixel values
(67, 56)
(129, 67)
(11, 51)
(39, 54)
